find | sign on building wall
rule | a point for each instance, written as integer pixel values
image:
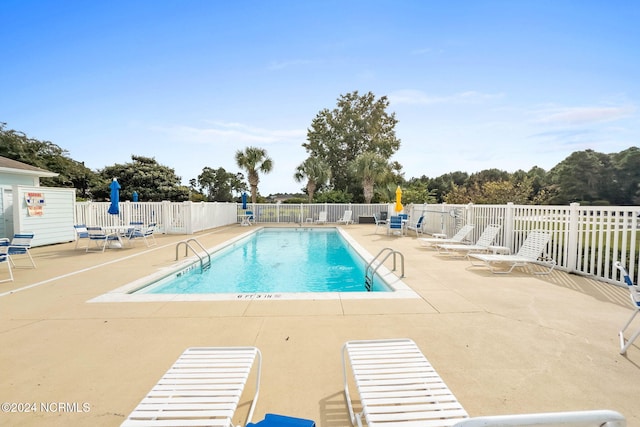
(35, 203)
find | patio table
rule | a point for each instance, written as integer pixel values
(119, 231)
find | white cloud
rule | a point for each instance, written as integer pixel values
(279, 65)
(417, 97)
(231, 132)
(583, 115)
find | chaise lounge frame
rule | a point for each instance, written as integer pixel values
(483, 243)
(440, 239)
(398, 387)
(202, 388)
(529, 253)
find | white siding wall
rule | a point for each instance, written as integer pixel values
(56, 223)
(18, 179)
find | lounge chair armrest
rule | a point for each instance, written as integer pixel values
(600, 418)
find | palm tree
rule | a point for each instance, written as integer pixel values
(370, 168)
(317, 173)
(254, 160)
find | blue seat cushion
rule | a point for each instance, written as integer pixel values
(274, 420)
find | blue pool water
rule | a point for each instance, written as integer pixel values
(276, 260)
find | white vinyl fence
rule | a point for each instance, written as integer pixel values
(169, 217)
(584, 240)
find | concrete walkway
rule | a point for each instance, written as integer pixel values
(503, 343)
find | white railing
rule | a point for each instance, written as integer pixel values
(584, 240)
(309, 212)
(170, 218)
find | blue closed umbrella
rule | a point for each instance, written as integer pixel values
(244, 200)
(114, 208)
(134, 196)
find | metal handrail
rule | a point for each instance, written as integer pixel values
(187, 246)
(368, 279)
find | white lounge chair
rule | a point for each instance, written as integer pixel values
(322, 218)
(202, 388)
(634, 291)
(459, 237)
(482, 244)
(346, 218)
(529, 253)
(398, 387)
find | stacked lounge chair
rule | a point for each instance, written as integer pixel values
(441, 239)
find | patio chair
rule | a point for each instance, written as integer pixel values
(529, 253)
(203, 387)
(379, 222)
(395, 225)
(245, 218)
(346, 218)
(459, 237)
(398, 386)
(81, 234)
(20, 245)
(322, 218)
(101, 238)
(483, 243)
(634, 293)
(4, 258)
(417, 227)
(146, 234)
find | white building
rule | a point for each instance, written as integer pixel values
(25, 206)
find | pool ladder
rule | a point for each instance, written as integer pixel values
(370, 271)
(204, 264)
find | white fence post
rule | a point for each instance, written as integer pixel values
(127, 212)
(167, 216)
(187, 217)
(573, 229)
(509, 225)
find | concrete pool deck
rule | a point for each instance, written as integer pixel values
(503, 343)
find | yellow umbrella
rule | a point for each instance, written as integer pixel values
(399, 207)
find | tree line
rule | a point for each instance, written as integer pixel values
(349, 149)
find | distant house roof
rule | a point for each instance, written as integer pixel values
(16, 167)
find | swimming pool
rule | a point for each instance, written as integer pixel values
(159, 286)
(277, 260)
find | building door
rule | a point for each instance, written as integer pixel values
(7, 213)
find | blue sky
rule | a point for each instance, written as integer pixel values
(474, 84)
